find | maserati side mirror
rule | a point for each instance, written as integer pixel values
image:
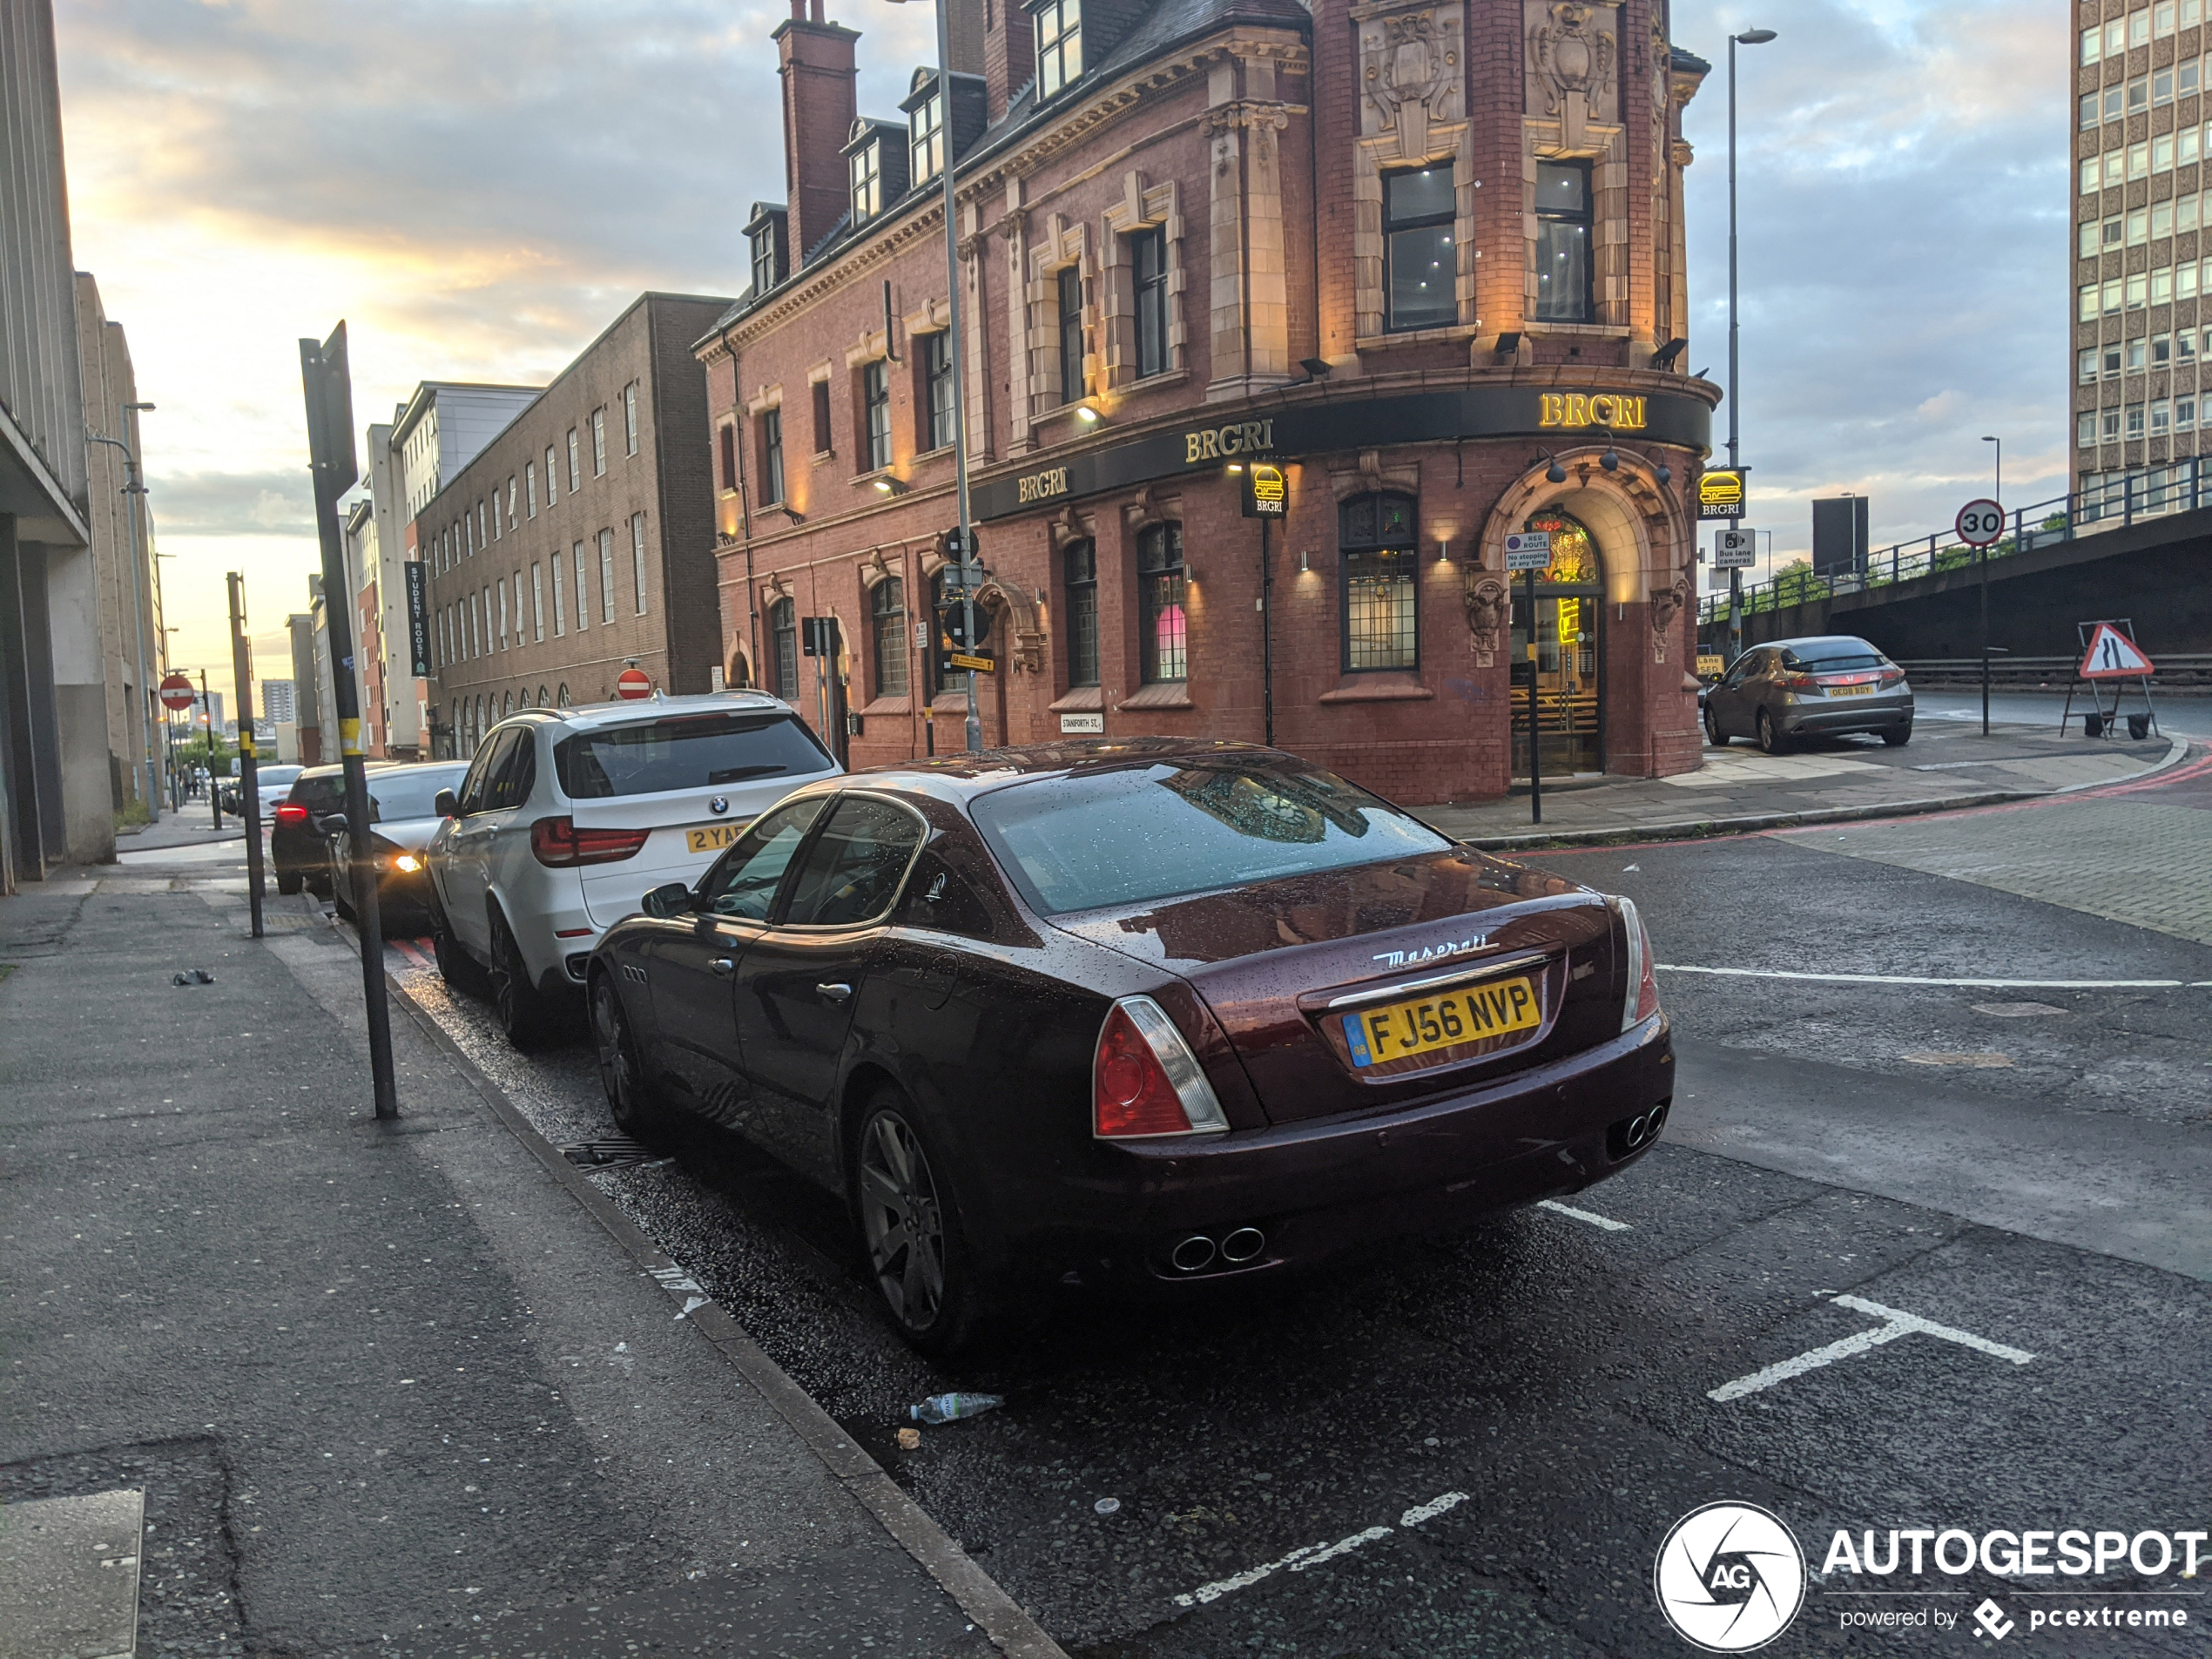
(665, 902)
(446, 804)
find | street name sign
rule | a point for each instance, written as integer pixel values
(1980, 522)
(2112, 656)
(1079, 726)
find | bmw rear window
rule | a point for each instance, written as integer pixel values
(1147, 833)
(685, 752)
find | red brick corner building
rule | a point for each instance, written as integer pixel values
(1423, 256)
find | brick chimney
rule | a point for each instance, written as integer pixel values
(1009, 52)
(815, 60)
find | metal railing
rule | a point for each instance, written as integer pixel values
(2109, 503)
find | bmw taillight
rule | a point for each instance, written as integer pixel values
(1642, 1001)
(1145, 1081)
(559, 843)
(291, 812)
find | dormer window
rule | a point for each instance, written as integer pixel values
(868, 182)
(1060, 45)
(925, 140)
(765, 230)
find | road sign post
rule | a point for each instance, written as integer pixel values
(1982, 521)
(2110, 653)
(1527, 552)
(249, 787)
(327, 383)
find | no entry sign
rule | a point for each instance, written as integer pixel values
(176, 693)
(632, 683)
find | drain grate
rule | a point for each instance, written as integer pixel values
(617, 1154)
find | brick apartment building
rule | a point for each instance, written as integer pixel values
(2139, 335)
(1424, 257)
(579, 540)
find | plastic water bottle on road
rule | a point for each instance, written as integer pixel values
(943, 1408)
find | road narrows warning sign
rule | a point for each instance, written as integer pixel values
(2112, 656)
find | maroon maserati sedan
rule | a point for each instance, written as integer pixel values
(1154, 1011)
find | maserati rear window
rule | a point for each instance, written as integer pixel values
(685, 752)
(1148, 832)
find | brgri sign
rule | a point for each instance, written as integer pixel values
(1337, 424)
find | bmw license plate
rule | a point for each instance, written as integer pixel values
(712, 838)
(1400, 1030)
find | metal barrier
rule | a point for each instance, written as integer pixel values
(2108, 503)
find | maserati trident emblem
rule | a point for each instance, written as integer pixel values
(719, 804)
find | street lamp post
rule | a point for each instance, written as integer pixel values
(1749, 38)
(134, 487)
(970, 572)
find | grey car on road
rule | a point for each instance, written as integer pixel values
(1821, 686)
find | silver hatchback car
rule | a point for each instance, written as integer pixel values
(1822, 686)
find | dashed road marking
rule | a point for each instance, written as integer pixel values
(1970, 984)
(1895, 1323)
(1313, 1554)
(1590, 1216)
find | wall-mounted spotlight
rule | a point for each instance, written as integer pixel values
(1611, 459)
(1316, 367)
(1665, 357)
(1303, 567)
(1088, 416)
(1554, 473)
(1236, 466)
(1508, 344)
(891, 486)
(1443, 551)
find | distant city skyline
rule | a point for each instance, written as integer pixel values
(1903, 188)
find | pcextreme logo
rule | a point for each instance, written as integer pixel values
(1730, 1577)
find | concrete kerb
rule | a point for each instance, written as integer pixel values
(1009, 1629)
(1751, 823)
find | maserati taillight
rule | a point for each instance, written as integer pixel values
(559, 843)
(1642, 1001)
(1145, 1081)
(291, 812)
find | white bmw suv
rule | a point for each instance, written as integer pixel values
(568, 816)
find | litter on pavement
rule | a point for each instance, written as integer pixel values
(192, 976)
(909, 1440)
(943, 1408)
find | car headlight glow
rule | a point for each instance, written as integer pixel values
(406, 862)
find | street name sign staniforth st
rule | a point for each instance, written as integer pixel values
(1981, 522)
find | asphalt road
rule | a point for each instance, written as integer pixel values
(1474, 1444)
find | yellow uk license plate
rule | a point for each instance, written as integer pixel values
(1400, 1030)
(713, 837)
(1851, 691)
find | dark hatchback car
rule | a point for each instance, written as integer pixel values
(403, 816)
(1824, 686)
(299, 852)
(1132, 1011)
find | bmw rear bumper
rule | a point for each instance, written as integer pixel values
(1312, 1188)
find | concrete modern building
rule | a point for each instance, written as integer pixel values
(131, 640)
(57, 794)
(1423, 259)
(581, 538)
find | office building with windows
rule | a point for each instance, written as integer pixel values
(2139, 122)
(579, 539)
(1424, 258)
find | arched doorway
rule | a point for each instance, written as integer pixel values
(1569, 626)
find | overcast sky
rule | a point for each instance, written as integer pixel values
(477, 187)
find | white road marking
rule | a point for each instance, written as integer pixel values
(1895, 1323)
(1971, 984)
(1592, 1216)
(1307, 1555)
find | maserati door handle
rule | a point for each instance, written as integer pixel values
(722, 966)
(835, 993)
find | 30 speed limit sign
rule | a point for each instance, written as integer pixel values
(1980, 522)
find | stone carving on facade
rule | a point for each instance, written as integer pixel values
(1017, 616)
(1573, 61)
(1490, 611)
(1667, 604)
(1409, 71)
(1370, 475)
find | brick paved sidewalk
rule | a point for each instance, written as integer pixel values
(1738, 788)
